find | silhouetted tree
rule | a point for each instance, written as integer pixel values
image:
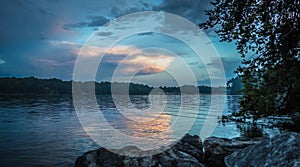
(270, 30)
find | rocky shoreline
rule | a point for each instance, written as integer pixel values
(281, 150)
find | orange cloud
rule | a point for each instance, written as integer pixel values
(145, 64)
(91, 51)
(152, 70)
(161, 61)
(150, 62)
(136, 60)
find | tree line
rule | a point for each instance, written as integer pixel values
(32, 85)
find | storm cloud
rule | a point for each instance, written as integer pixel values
(189, 9)
(93, 21)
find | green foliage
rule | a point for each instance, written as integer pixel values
(270, 30)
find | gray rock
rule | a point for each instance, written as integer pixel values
(187, 152)
(216, 149)
(281, 150)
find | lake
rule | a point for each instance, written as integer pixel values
(45, 130)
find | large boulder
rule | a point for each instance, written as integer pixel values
(281, 150)
(187, 152)
(216, 149)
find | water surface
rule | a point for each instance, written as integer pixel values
(45, 130)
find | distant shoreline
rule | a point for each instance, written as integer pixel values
(54, 86)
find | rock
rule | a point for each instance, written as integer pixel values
(281, 150)
(187, 152)
(218, 148)
(98, 158)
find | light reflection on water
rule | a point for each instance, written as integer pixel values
(45, 131)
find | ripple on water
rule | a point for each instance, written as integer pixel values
(45, 131)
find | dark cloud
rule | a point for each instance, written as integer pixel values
(24, 21)
(96, 21)
(194, 63)
(145, 33)
(189, 9)
(117, 11)
(104, 33)
(93, 21)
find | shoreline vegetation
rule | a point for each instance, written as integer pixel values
(32, 85)
(255, 128)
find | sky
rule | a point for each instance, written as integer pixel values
(44, 38)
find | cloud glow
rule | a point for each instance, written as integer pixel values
(155, 63)
(132, 58)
